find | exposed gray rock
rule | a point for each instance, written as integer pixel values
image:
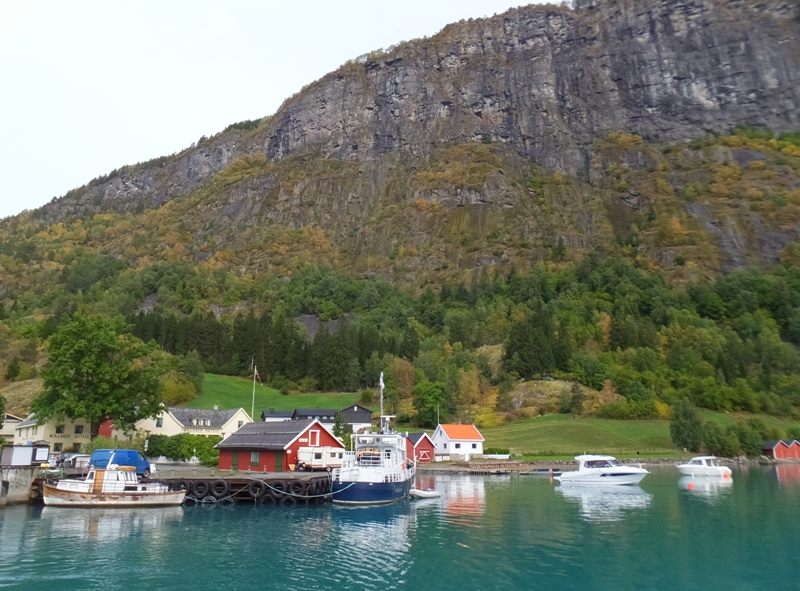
(547, 81)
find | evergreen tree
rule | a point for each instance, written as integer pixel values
(409, 348)
(686, 429)
(13, 369)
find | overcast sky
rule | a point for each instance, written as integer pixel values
(88, 86)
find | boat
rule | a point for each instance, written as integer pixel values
(704, 466)
(417, 493)
(376, 470)
(596, 469)
(112, 486)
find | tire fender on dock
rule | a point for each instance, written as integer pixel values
(256, 489)
(200, 489)
(219, 488)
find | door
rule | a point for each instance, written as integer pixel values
(279, 461)
(235, 461)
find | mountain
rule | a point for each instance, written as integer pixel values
(494, 141)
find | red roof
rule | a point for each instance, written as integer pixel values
(462, 432)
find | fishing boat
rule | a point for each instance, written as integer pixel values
(376, 470)
(595, 469)
(704, 466)
(112, 486)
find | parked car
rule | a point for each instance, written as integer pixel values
(123, 457)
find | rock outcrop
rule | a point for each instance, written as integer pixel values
(546, 80)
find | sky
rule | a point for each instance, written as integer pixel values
(88, 86)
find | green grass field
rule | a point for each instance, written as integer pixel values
(229, 392)
(563, 436)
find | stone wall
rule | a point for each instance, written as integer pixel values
(19, 479)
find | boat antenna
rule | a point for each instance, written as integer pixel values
(380, 381)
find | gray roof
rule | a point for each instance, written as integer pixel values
(29, 421)
(265, 435)
(278, 414)
(311, 413)
(415, 437)
(218, 417)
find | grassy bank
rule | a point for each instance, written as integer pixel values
(229, 392)
(563, 436)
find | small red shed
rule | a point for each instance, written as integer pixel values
(272, 447)
(420, 447)
(781, 450)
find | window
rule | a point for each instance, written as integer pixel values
(318, 456)
(78, 429)
(458, 446)
(194, 421)
(57, 446)
(474, 446)
(444, 445)
(159, 423)
(255, 458)
(59, 428)
(239, 426)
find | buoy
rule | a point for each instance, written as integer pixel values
(690, 486)
(726, 475)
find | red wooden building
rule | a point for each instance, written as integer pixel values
(272, 447)
(420, 447)
(781, 450)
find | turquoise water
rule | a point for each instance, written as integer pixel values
(520, 532)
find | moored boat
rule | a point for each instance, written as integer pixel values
(424, 494)
(597, 469)
(114, 486)
(377, 470)
(704, 466)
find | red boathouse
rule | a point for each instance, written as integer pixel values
(420, 447)
(272, 447)
(781, 450)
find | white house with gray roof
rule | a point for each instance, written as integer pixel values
(195, 421)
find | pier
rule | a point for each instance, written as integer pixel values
(268, 489)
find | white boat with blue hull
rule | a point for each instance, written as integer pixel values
(376, 471)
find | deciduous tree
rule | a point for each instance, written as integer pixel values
(98, 371)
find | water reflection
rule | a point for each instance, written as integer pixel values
(605, 503)
(706, 487)
(788, 474)
(464, 498)
(107, 524)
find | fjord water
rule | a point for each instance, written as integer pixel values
(485, 532)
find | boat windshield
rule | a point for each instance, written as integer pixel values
(601, 463)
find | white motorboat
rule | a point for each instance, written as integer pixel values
(114, 486)
(704, 466)
(595, 469)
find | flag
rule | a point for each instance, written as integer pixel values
(258, 376)
(381, 381)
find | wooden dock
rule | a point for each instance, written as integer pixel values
(498, 467)
(270, 489)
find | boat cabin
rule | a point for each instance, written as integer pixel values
(703, 462)
(598, 463)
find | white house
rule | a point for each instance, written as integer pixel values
(7, 430)
(62, 434)
(195, 421)
(457, 442)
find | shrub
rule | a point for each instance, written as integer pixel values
(496, 450)
(628, 410)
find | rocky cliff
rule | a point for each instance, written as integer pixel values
(548, 81)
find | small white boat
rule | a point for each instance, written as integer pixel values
(605, 470)
(704, 466)
(114, 486)
(424, 494)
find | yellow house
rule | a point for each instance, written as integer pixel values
(7, 430)
(62, 434)
(195, 421)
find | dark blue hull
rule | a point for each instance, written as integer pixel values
(369, 493)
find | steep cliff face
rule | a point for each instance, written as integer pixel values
(546, 81)
(551, 81)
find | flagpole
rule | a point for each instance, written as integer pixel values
(253, 406)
